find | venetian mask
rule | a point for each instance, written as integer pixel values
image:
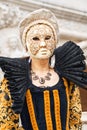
(40, 41)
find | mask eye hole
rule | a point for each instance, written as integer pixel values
(47, 37)
(35, 38)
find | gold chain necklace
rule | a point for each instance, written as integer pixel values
(41, 79)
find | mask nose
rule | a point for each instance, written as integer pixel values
(42, 44)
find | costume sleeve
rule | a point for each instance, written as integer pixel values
(9, 120)
(75, 108)
(16, 72)
(70, 63)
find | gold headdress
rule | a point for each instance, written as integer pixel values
(43, 16)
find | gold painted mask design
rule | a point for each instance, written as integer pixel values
(40, 41)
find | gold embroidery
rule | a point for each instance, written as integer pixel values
(31, 110)
(47, 110)
(57, 109)
(8, 119)
(67, 94)
(75, 109)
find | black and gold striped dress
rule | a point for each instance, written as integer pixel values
(46, 108)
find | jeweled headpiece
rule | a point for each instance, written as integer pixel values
(40, 16)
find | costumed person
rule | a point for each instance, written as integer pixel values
(45, 97)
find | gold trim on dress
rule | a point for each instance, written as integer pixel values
(57, 109)
(47, 110)
(31, 110)
(67, 95)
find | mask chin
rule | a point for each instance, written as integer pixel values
(39, 56)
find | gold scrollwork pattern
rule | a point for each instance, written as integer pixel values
(75, 108)
(8, 119)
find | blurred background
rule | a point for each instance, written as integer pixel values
(72, 20)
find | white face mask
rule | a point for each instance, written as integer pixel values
(40, 41)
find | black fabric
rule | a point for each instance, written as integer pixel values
(16, 72)
(38, 102)
(25, 117)
(69, 61)
(63, 106)
(52, 107)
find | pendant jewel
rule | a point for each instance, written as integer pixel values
(35, 77)
(41, 79)
(47, 77)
